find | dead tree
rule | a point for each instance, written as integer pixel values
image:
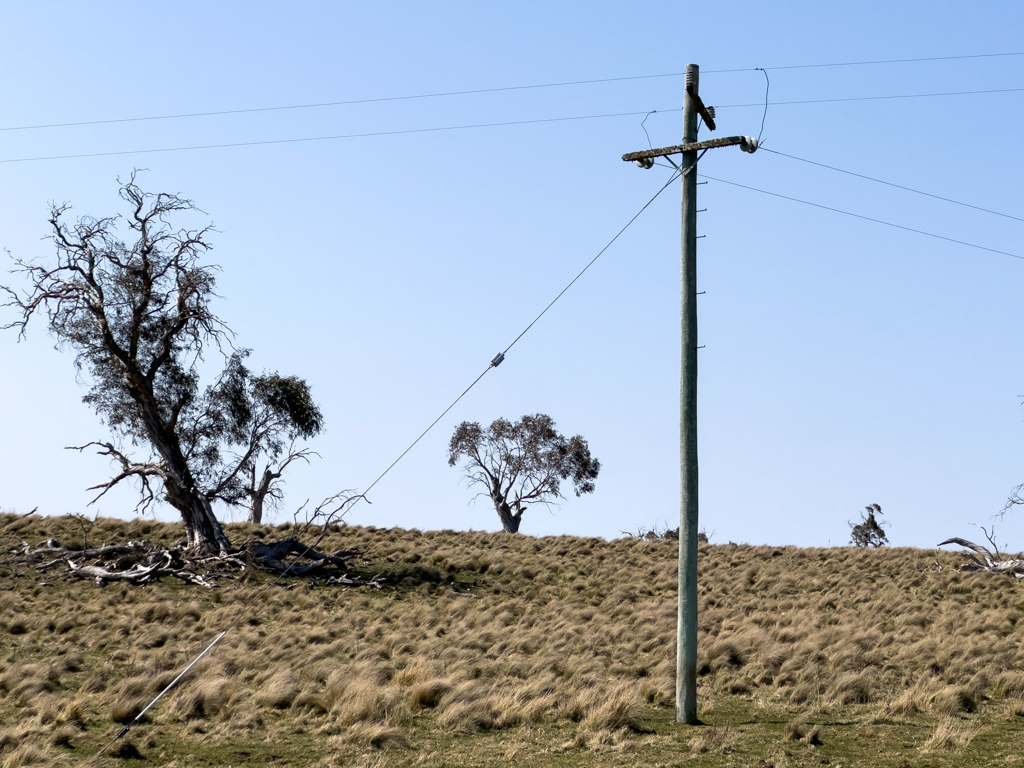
(269, 484)
(988, 560)
(130, 296)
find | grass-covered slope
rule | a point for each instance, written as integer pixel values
(482, 649)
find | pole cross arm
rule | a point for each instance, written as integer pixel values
(746, 143)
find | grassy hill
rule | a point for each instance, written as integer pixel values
(485, 649)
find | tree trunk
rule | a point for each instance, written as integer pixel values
(509, 520)
(255, 509)
(258, 493)
(203, 528)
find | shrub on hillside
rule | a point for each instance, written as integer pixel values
(868, 532)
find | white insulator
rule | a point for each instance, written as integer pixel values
(749, 144)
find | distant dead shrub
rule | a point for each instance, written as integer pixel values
(868, 532)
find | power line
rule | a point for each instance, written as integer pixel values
(880, 61)
(350, 102)
(891, 184)
(507, 123)
(499, 358)
(865, 218)
(590, 263)
(873, 98)
(325, 138)
(478, 91)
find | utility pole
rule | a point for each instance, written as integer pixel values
(686, 629)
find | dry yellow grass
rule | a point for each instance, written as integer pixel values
(487, 633)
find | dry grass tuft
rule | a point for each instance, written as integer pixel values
(365, 701)
(280, 691)
(621, 707)
(428, 694)
(953, 700)
(713, 740)
(204, 699)
(31, 754)
(951, 734)
(1014, 708)
(800, 730)
(123, 711)
(62, 736)
(373, 735)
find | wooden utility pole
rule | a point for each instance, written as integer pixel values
(686, 629)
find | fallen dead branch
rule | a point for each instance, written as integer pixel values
(140, 563)
(988, 562)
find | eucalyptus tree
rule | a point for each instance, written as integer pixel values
(131, 296)
(522, 463)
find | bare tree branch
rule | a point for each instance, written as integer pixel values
(990, 564)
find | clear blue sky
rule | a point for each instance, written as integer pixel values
(845, 362)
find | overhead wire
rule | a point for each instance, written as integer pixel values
(882, 61)
(863, 217)
(501, 356)
(892, 184)
(764, 115)
(873, 98)
(479, 91)
(368, 134)
(350, 102)
(470, 126)
(672, 178)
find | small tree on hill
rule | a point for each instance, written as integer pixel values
(522, 463)
(868, 532)
(138, 315)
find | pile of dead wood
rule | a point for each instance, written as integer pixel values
(137, 562)
(989, 562)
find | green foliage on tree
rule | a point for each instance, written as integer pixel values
(522, 463)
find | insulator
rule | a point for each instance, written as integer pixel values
(496, 360)
(645, 162)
